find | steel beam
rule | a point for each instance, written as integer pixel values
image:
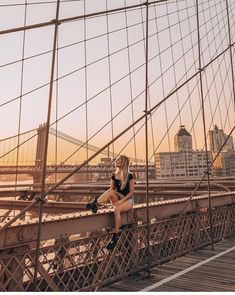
(50, 207)
(25, 232)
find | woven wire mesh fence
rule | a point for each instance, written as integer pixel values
(84, 264)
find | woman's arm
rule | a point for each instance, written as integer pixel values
(112, 184)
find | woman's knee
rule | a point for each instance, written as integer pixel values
(111, 191)
(113, 194)
(116, 210)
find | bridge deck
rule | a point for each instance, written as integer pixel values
(202, 270)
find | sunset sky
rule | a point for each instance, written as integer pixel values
(101, 61)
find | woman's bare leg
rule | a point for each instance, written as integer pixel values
(109, 194)
(124, 207)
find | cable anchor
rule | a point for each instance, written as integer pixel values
(201, 69)
(55, 22)
(147, 112)
(41, 199)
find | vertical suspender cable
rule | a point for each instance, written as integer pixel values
(163, 91)
(204, 124)
(56, 106)
(130, 83)
(172, 53)
(149, 100)
(146, 132)
(231, 54)
(56, 23)
(214, 73)
(86, 87)
(21, 94)
(193, 54)
(110, 81)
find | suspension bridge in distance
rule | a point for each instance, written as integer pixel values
(32, 145)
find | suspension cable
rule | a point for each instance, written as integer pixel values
(88, 39)
(168, 96)
(149, 97)
(21, 92)
(204, 125)
(231, 55)
(86, 85)
(75, 71)
(130, 81)
(146, 133)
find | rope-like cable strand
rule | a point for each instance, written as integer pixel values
(188, 80)
(110, 78)
(201, 95)
(86, 86)
(172, 56)
(130, 82)
(146, 134)
(175, 120)
(92, 63)
(57, 103)
(136, 98)
(45, 147)
(206, 80)
(148, 90)
(231, 55)
(20, 100)
(88, 39)
(163, 92)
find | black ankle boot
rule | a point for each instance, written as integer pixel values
(93, 206)
(113, 242)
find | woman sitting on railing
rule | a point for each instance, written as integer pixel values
(121, 194)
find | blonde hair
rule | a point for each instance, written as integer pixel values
(124, 170)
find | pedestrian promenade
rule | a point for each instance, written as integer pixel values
(203, 270)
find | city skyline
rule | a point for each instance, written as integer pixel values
(28, 153)
(187, 162)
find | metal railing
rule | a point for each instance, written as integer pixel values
(79, 261)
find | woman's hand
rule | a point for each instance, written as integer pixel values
(117, 203)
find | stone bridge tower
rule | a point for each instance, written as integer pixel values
(41, 139)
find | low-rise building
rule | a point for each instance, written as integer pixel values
(181, 164)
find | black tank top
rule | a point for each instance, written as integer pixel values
(117, 184)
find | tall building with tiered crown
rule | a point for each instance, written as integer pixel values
(184, 162)
(183, 140)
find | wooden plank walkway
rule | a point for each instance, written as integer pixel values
(202, 270)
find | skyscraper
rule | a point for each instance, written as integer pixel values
(224, 164)
(217, 138)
